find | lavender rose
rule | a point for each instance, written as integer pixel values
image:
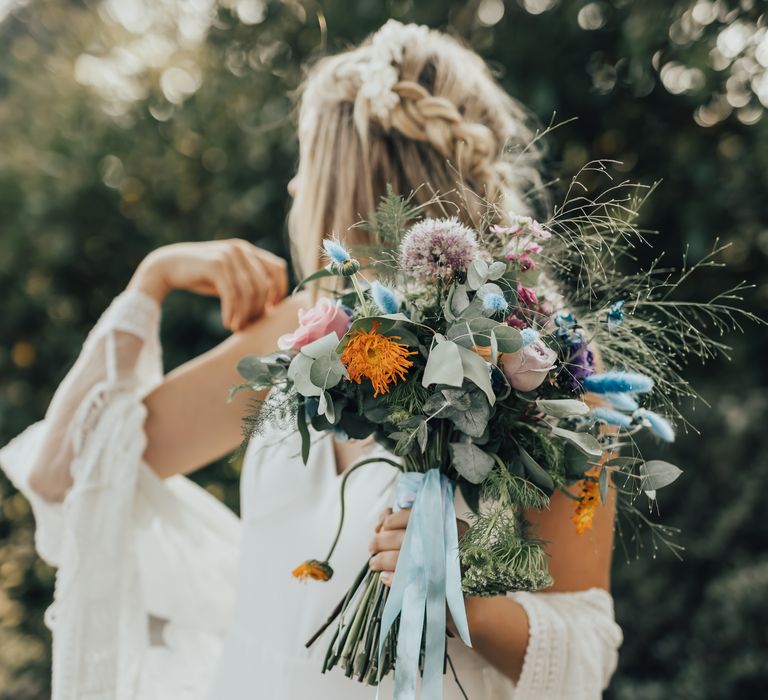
(325, 317)
(527, 368)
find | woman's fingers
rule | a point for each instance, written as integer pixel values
(253, 287)
(397, 521)
(384, 561)
(277, 271)
(386, 539)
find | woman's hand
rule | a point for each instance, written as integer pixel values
(246, 279)
(386, 543)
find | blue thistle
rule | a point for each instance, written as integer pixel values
(529, 336)
(495, 303)
(618, 382)
(616, 314)
(624, 402)
(384, 298)
(611, 416)
(658, 425)
(336, 252)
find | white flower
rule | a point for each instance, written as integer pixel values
(378, 74)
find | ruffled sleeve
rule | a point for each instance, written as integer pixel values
(573, 645)
(146, 567)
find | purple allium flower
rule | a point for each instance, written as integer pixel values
(438, 248)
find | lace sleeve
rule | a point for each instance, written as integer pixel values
(573, 645)
(121, 354)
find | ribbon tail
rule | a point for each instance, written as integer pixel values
(453, 592)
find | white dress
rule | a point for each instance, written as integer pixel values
(162, 593)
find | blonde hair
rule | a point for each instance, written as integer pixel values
(449, 129)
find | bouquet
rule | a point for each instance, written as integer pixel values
(464, 359)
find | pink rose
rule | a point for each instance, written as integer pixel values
(314, 323)
(527, 368)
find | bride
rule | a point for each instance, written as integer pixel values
(161, 592)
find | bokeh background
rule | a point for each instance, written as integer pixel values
(129, 124)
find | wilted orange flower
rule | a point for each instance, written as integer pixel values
(378, 357)
(314, 569)
(589, 500)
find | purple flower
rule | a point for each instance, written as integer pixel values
(438, 248)
(577, 368)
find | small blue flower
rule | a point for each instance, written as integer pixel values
(618, 382)
(335, 251)
(384, 298)
(529, 336)
(495, 303)
(616, 314)
(611, 416)
(624, 402)
(658, 425)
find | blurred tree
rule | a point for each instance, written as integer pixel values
(125, 125)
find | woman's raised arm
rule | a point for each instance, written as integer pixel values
(188, 419)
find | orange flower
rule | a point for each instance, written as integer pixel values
(588, 502)
(316, 570)
(378, 357)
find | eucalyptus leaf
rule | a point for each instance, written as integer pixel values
(473, 419)
(476, 370)
(508, 339)
(254, 371)
(602, 482)
(459, 300)
(421, 435)
(562, 408)
(298, 373)
(536, 473)
(657, 474)
(327, 370)
(576, 462)
(470, 461)
(477, 274)
(496, 270)
(444, 365)
(587, 443)
(325, 407)
(321, 346)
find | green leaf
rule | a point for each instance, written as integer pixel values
(301, 423)
(298, 373)
(444, 365)
(602, 482)
(508, 339)
(326, 408)
(562, 408)
(323, 272)
(536, 473)
(473, 419)
(470, 461)
(255, 372)
(587, 443)
(321, 346)
(421, 435)
(496, 270)
(476, 370)
(477, 274)
(327, 370)
(576, 462)
(657, 474)
(459, 300)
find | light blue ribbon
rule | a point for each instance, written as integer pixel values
(427, 576)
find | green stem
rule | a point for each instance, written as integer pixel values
(360, 295)
(346, 476)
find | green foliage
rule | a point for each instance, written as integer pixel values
(86, 192)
